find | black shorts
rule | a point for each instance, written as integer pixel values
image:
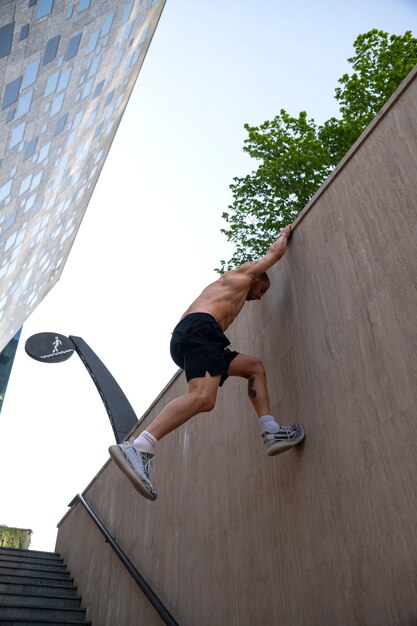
(198, 345)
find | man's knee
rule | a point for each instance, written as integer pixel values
(257, 367)
(205, 401)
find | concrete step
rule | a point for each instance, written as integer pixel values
(38, 590)
(45, 601)
(70, 616)
(34, 573)
(13, 558)
(19, 578)
(30, 565)
(34, 554)
(35, 622)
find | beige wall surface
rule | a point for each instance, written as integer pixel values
(323, 535)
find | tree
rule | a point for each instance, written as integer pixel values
(296, 155)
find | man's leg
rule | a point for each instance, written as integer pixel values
(133, 457)
(201, 398)
(277, 438)
(252, 369)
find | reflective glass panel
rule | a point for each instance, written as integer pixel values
(51, 83)
(127, 32)
(126, 13)
(109, 97)
(43, 153)
(5, 189)
(94, 66)
(108, 21)
(17, 135)
(99, 88)
(31, 73)
(51, 50)
(60, 124)
(24, 32)
(87, 88)
(44, 8)
(92, 42)
(117, 59)
(64, 79)
(73, 46)
(23, 105)
(11, 93)
(6, 38)
(57, 104)
(30, 148)
(83, 5)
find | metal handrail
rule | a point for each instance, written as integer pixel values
(132, 569)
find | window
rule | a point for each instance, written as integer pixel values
(51, 50)
(92, 42)
(57, 104)
(36, 180)
(51, 83)
(143, 35)
(5, 189)
(77, 119)
(25, 184)
(11, 93)
(109, 97)
(6, 38)
(17, 135)
(64, 79)
(44, 8)
(108, 21)
(24, 32)
(117, 59)
(23, 105)
(69, 12)
(43, 153)
(99, 88)
(94, 66)
(10, 220)
(31, 73)
(126, 13)
(73, 47)
(87, 88)
(60, 125)
(30, 148)
(127, 32)
(83, 5)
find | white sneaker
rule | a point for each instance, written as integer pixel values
(135, 465)
(284, 439)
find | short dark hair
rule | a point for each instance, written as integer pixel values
(264, 277)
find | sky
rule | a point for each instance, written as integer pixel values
(151, 236)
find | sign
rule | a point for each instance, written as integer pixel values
(49, 347)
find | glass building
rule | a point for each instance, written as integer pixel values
(67, 69)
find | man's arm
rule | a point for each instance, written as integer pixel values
(275, 252)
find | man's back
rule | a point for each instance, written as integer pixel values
(224, 298)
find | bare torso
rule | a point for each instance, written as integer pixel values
(223, 299)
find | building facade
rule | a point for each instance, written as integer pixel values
(67, 69)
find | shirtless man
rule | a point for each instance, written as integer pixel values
(199, 346)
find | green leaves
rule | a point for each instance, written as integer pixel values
(14, 537)
(295, 155)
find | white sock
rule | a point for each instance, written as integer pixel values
(268, 424)
(145, 442)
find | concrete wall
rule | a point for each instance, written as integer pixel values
(325, 534)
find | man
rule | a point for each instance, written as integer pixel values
(199, 346)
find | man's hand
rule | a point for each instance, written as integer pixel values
(286, 232)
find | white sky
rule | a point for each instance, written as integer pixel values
(151, 236)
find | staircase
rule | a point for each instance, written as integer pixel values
(36, 589)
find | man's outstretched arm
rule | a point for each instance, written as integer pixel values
(275, 252)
